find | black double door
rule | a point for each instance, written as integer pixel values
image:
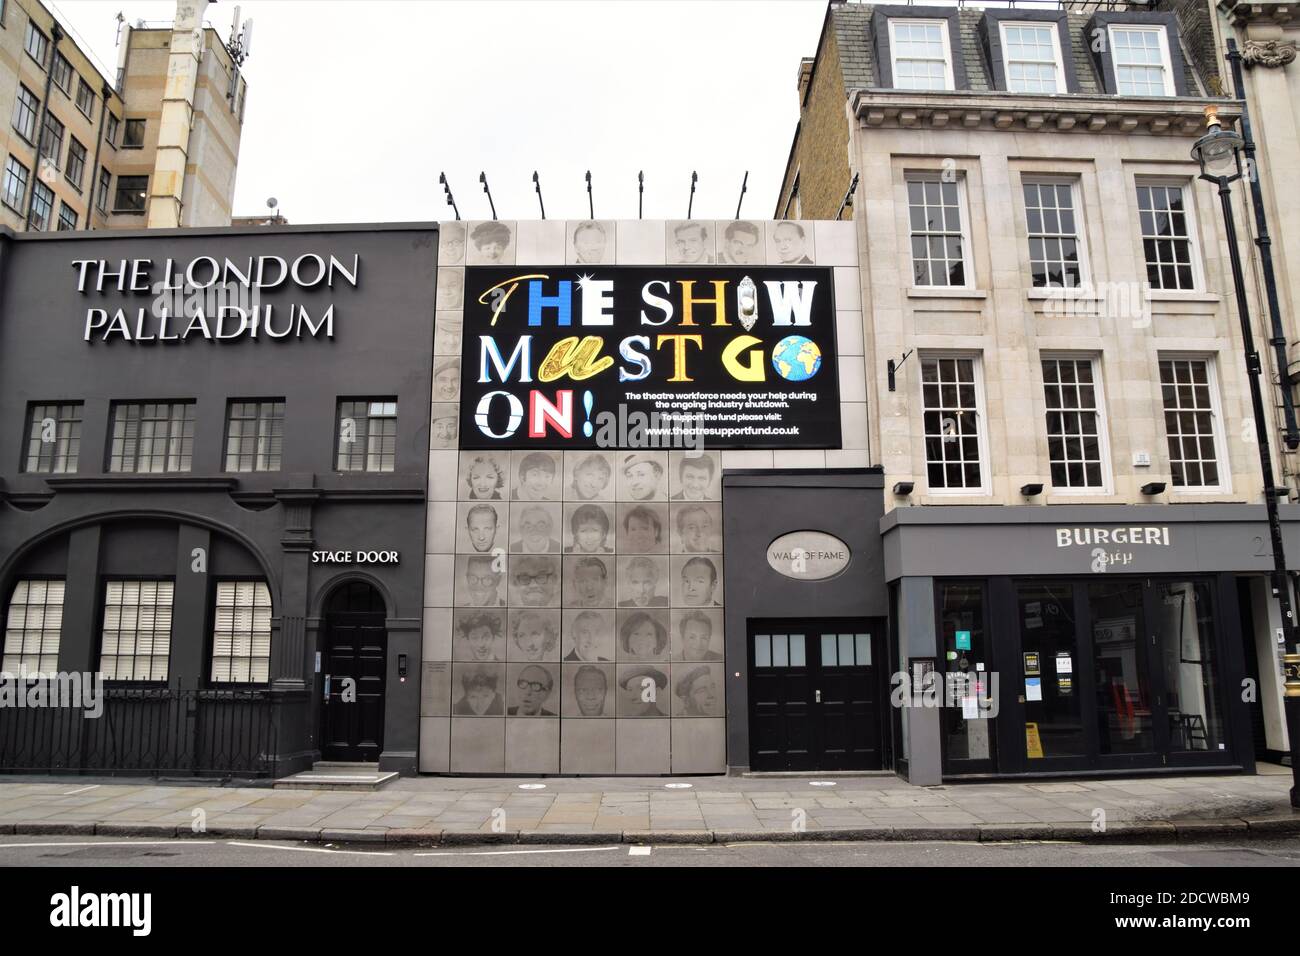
(816, 695)
(354, 659)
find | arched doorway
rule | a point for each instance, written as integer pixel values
(354, 662)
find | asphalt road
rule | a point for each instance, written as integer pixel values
(110, 852)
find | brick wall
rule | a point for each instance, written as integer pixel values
(821, 143)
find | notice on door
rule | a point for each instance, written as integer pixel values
(1033, 743)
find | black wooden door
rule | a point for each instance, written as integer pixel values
(815, 695)
(354, 665)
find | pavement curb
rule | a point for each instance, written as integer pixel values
(1137, 831)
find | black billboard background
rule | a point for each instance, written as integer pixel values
(792, 414)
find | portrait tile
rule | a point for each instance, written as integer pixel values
(591, 242)
(740, 243)
(588, 527)
(697, 580)
(533, 690)
(451, 243)
(642, 635)
(490, 243)
(484, 476)
(535, 476)
(444, 425)
(588, 691)
(451, 289)
(534, 635)
(696, 527)
(697, 634)
(448, 330)
(642, 690)
(479, 636)
(480, 580)
(694, 476)
(588, 635)
(446, 380)
(534, 580)
(642, 475)
(642, 528)
(691, 242)
(535, 527)
(589, 476)
(790, 243)
(589, 581)
(482, 527)
(642, 580)
(478, 690)
(697, 690)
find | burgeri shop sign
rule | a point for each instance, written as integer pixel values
(215, 299)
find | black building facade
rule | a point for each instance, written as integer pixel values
(216, 450)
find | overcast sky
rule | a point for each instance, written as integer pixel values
(355, 107)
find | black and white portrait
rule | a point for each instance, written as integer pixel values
(642, 635)
(588, 476)
(697, 580)
(588, 581)
(697, 690)
(643, 691)
(694, 476)
(451, 289)
(481, 527)
(534, 635)
(451, 243)
(448, 328)
(588, 528)
(789, 243)
(536, 476)
(591, 243)
(484, 476)
(479, 636)
(697, 634)
(588, 634)
(490, 244)
(446, 381)
(696, 527)
(642, 528)
(535, 528)
(588, 690)
(534, 580)
(690, 242)
(642, 580)
(444, 425)
(532, 690)
(742, 244)
(643, 476)
(480, 580)
(479, 690)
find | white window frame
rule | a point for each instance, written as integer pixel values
(1103, 422)
(1193, 232)
(1080, 228)
(24, 630)
(152, 634)
(963, 211)
(222, 668)
(950, 83)
(1166, 62)
(1211, 361)
(976, 358)
(1058, 65)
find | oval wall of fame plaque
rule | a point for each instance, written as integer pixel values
(808, 555)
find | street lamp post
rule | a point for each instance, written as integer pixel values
(1218, 153)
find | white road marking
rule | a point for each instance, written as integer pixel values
(15, 846)
(308, 849)
(638, 851)
(584, 849)
(69, 793)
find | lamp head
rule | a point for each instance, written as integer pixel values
(1218, 152)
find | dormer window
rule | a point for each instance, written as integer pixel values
(1032, 54)
(1140, 55)
(922, 57)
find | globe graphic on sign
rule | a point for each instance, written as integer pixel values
(796, 359)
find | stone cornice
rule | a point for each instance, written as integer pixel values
(1177, 116)
(1241, 11)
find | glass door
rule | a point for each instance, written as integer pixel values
(1183, 619)
(1128, 703)
(1056, 734)
(965, 656)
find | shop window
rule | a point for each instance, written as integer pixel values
(921, 56)
(1166, 236)
(367, 434)
(26, 109)
(952, 403)
(133, 136)
(1189, 391)
(53, 438)
(33, 626)
(241, 635)
(1055, 244)
(15, 184)
(937, 231)
(1076, 427)
(1032, 55)
(42, 207)
(67, 218)
(152, 437)
(1185, 640)
(36, 43)
(254, 435)
(1125, 698)
(135, 644)
(1140, 56)
(76, 167)
(61, 71)
(132, 194)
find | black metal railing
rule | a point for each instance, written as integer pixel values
(157, 731)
